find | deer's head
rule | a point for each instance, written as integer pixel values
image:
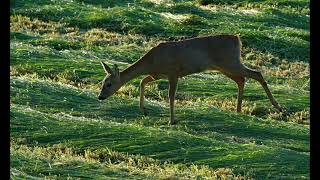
(111, 83)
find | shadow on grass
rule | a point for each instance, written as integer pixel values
(21, 36)
(115, 3)
(232, 124)
(54, 98)
(148, 22)
(253, 3)
(175, 146)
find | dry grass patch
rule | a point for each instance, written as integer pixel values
(133, 164)
(289, 70)
(300, 117)
(271, 65)
(19, 23)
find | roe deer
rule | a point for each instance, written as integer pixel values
(173, 60)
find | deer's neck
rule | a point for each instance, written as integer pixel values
(133, 71)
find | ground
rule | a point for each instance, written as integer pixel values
(59, 129)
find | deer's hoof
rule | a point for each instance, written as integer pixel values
(280, 109)
(143, 111)
(173, 122)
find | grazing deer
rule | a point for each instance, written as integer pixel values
(173, 60)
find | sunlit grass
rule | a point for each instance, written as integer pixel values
(93, 137)
(60, 130)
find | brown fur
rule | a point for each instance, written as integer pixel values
(173, 60)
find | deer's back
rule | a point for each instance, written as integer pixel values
(196, 54)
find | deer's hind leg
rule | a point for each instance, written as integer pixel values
(240, 80)
(243, 71)
(143, 83)
(258, 76)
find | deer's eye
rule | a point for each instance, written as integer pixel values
(108, 85)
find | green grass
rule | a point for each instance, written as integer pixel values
(60, 130)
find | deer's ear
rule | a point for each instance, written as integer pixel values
(106, 68)
(116, 70)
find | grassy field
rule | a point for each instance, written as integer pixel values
(60, 130)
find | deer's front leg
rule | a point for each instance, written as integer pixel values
(143, 83)
(240, 82)
(172, 92)
(240, 94)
